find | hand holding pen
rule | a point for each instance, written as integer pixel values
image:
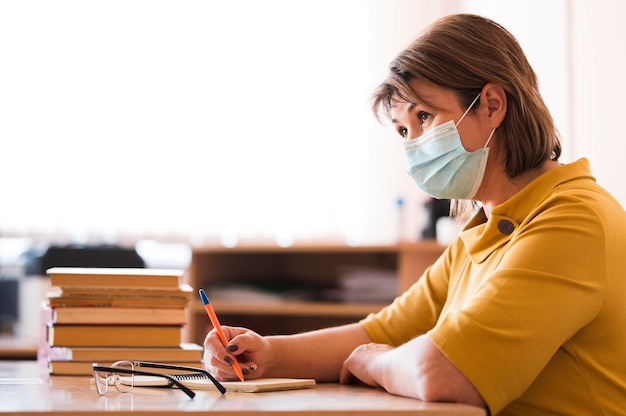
(218, 328)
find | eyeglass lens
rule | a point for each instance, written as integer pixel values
(104, 378)
(129, 381)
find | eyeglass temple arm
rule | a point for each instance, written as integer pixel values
(147, 364)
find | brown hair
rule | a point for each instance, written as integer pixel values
(463, 52)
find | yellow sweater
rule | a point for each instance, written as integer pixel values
(530, 304)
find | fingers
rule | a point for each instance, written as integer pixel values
(360, 364)
(241, 340)
(345, 376)
(218, 359)
(212, 341)
(245, 346)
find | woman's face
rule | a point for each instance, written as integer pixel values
(437, 106)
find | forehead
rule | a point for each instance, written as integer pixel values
(399, 108)
(426, 96)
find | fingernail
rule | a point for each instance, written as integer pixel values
(232, 347)
(252, 367)
(228, 360)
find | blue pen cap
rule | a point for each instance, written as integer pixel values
(203, 296)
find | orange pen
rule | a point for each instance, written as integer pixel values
(218, 328)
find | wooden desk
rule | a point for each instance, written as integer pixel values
(26, 389)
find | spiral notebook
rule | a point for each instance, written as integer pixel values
(248, 386)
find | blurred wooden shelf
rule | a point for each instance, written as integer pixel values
(295, 266)
(294, 308)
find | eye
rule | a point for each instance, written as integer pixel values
(424, 117)
(403, 131)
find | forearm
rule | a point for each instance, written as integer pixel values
(317, 354)
(418, 369)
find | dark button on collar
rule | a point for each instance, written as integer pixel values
(506, 227)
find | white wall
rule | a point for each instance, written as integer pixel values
(598, 106)
(162, 118)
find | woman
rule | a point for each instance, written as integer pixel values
(523, 312)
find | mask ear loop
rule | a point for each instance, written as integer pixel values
(489, 139)
(468, 109)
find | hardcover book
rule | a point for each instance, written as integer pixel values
(94, 315)
(126, 277)
(114, 335)
(185, 352)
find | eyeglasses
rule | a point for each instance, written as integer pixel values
(105, 376)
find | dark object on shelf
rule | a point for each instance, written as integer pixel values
(436, 208)
(81, 256)
(8, 305)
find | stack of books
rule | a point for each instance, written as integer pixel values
(105, 315)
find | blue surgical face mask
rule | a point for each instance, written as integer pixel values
(441, 167)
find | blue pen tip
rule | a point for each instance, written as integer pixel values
(203, 296)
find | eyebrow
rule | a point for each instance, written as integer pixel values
(411, 107)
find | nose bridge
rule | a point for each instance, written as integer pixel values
(415, 129)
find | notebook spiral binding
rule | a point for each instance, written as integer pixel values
(189, 376)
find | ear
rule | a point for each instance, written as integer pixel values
(495, 98)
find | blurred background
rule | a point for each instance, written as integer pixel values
(164, 125)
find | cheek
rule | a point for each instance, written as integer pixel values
(414, 130)
(473, 137)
